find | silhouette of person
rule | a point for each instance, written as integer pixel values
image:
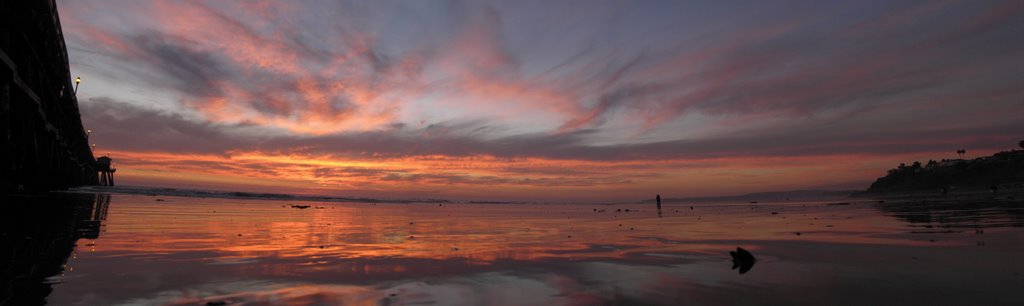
(657, 199)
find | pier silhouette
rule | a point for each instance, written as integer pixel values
(43, 145)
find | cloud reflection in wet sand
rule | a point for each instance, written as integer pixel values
(188, 251)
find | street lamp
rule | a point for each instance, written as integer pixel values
(94, 147)
(87, 133)
(77, 81)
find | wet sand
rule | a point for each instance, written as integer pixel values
(135, 249)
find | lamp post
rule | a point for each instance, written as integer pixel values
(94, 148)
(87, 133)
(77, 81)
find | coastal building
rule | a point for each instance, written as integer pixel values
(105, 170)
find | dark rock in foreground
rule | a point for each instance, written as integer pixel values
(742, 259)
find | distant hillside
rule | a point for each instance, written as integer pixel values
(1004, 170)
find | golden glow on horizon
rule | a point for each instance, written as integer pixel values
(493, 177)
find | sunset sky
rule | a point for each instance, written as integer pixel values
(542, 100)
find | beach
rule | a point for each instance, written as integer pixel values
(168, 250)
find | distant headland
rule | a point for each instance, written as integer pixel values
(1003, 171)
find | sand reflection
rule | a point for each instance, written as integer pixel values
(192, 251)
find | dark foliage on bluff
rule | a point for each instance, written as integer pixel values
(1001, 170)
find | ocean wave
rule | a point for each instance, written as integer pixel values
(197, 193)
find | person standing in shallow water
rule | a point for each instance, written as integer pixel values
(657, 198)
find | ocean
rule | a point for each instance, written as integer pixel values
(144, 248)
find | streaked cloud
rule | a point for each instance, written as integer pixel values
(544, 99)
